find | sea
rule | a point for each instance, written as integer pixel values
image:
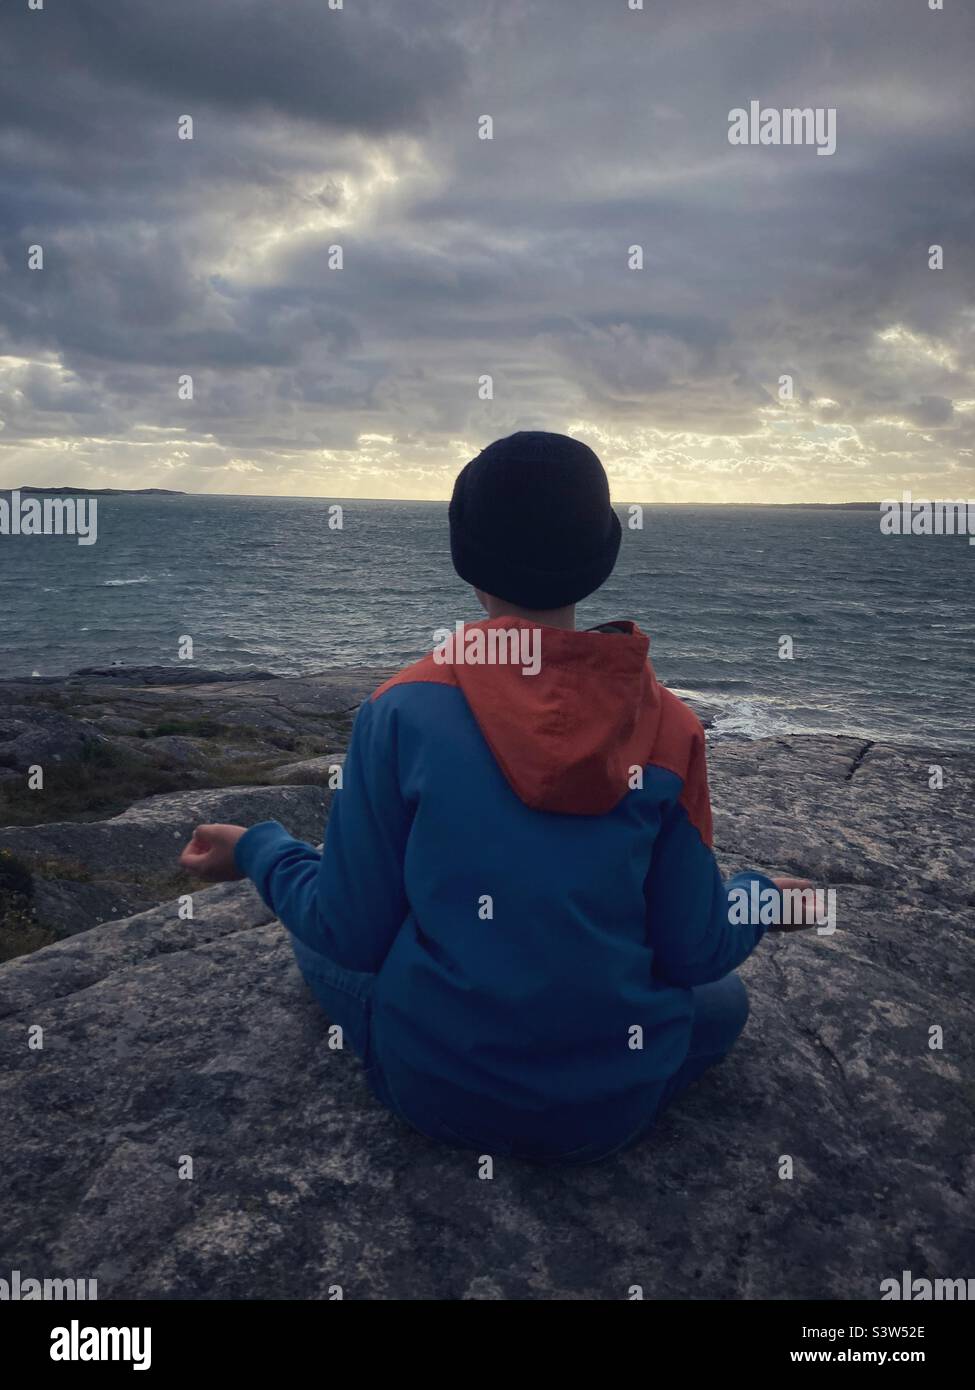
(780, 620)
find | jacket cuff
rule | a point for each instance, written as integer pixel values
(259, 845)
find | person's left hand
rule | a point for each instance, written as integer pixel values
(210, 853)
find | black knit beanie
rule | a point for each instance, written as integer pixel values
(531, 521)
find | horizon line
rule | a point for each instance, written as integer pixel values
(156, 490)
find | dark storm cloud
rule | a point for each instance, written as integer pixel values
(365, 68)
(462, 257)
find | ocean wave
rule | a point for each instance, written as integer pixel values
(756, 719)
(114, 583)
(751, 719)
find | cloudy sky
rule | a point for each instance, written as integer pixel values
(464, 257)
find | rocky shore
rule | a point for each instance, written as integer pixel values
(166, 1038)
(131, 759)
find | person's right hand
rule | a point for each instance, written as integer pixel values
(210, 853)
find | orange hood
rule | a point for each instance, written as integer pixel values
(567, 737)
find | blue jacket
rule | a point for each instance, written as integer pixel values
(523, 861)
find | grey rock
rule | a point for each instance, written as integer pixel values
(184, 674)
(173, 750)
(44, 737)
(64, 906)
(110, 737)
(312, 772)
(165, 1038)
(152, 824)
(156, 729)
(132, 857)
(115, 724)
(848, 812)
(73, 966)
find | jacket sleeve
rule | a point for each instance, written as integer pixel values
(697, 930)
(348, 902)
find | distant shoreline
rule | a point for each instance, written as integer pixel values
(101, 492)
(402, 501)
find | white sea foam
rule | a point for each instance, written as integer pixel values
(753, 719)
(114, 583)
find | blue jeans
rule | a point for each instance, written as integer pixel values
(720, 1015)
(345, 996)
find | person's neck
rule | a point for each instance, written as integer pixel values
(548, 617)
